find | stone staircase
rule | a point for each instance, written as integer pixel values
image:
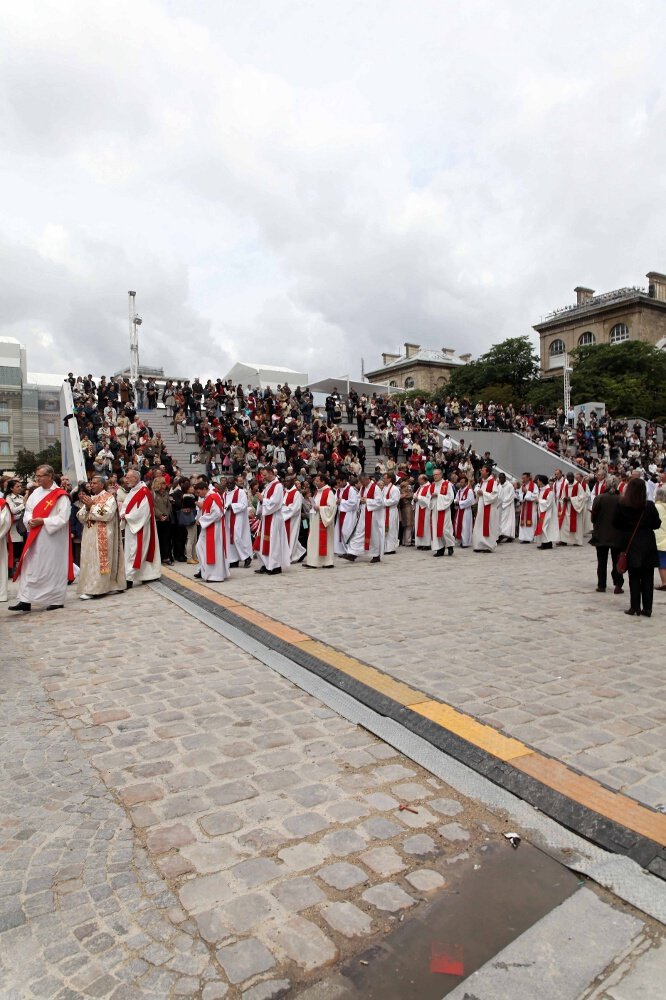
(370, 458)
(159, 421)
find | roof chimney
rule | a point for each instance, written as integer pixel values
(657, 285)
(411, 350)
(583, 295)
(388, 358)
(466, 358)
(449, 351)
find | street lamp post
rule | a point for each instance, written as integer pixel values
(567, 385)
(134, 322)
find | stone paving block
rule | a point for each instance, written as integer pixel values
(211, 926)
(446, 807)
(202, 893)
(303, 856)
(417, 820)
(344, 842)
(301, 941)
(234, 791)
(380, 828)
(388, 897)
(346, 812)
(420, 846)
(298, 894)
(393, 772)
(383, 860)
(270, 989)
(215, 991)
(244, 912)
(167, 838)
(245, 959)
(381, 801)
(306, 824)
(206, 858)
(453, 832)
(342, 875)
(347, 919)
(410, 791)
(256, 871)
(425, 880)
(217, 824)
(313, 795)
(143, 792)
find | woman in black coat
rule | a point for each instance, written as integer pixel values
(636, 513)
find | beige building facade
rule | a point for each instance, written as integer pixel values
(419, 367)
(29, 405)
(608, 318)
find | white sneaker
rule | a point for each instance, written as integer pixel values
(85, 597)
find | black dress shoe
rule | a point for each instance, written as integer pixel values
(308, 566)
(449, 551)
(21, 606)
(375, 559)
(274, 572)
(233, 565)
(197, 576)
(262, 569)
(247, 563)
(601, 590)
(632, 612)
(54, 607)
(646, 614)
(130, 584)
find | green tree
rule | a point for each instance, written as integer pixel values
(509, 368)
(630, 378)
(28, 461)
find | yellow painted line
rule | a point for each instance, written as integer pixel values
(374, 678)
(550, 772)
(588, 792)
(486, 737)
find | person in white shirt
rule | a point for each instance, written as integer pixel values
(442, 496)
(507, 510)
(392, 516)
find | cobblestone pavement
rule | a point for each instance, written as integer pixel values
(180, 821)
(519, 639)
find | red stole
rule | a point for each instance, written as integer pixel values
(489, 487)
(266, 522)
(386, 516)
(10, 547)
(562, 507)
(342, 495)
(289, 499)
(143, 494)
(542, 515)
(527, 508)
(441, 514)
(621, 487)
(323, 530)
(206, 507)
(460, 516)
(232, 516)
(368, 513)
(421, 513)
(573, 513)
(43, 509)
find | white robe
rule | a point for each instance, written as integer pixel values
(140, 517)
(572, 527)
(441, 499)
(486, 498)
(321, 514)
(422, 509)
(211, 518)
(235, 503)
(5, 525)
(102, 568)
(43, 578)
(464, 517)
(374, 505)
(291, 514)
(547, 529)
(529, 511)
(391, 518)
(278, 555)
(507, 510)
(348, 505)
(560, 490)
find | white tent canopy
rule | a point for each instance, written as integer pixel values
(345, 385)
(265, 376)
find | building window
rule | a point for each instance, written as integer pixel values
(50, 429)
(619, 333)
(393, 384)
(4, 405)
(586, 339)
(4, 447)
(409, 383)
(556, 348)
(4, 427)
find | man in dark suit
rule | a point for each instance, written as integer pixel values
(606, 537)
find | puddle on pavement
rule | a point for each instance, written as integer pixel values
(473, 918)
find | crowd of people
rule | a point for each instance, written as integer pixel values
(286, 482)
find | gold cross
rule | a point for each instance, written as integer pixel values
(49, 504)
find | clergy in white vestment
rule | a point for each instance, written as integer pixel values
(506, 504)
(291, 514)
(463, 521)
(273, 546)
(442, 496)
(572, 518)
(368, 537)
(348, 514)
(212, 542)
(421, 503)
(102, 569)
(142, 553)
(486, 524)
(45, 566)
(391, 515)
(6, 548)
(529, 508)
(547, 530)
(237, 524)
(559, 486)
(322, 526)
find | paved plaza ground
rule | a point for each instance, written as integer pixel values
(178, 820)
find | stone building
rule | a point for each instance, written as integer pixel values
(418, 368)
(29, 405)
(608, 318)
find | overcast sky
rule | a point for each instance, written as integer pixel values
(309, 182)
